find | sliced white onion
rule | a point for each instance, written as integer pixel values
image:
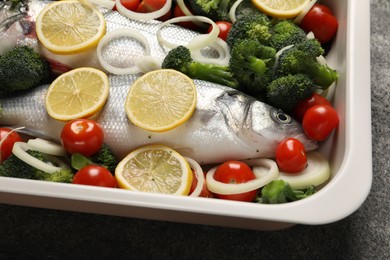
(147, 63)
(46, 146)
(109, 4)
(143, 16)
(223, 51)
(232, 11)
(316, 172)
(19, 150)
(305, 10)
(310, 36)
(118, 33)
(199, 41)
(262, 179)
(199, 175)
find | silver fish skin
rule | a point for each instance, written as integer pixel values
(226, 124)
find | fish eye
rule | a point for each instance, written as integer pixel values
(282, 117)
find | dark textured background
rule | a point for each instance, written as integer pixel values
(40, 233)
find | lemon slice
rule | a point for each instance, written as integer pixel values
(281, 8)
(69, 27)
(156, 169)
(161, 100)
(79, 93)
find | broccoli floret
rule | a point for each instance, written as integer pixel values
(255, 27)
(16, 168)
(180, 59)
(104, 157)
(302, 58)
(64, 175)
(21, 69)
(214, 9)
(287, 91)
(279, 191)
(249, 63)
(285, 33)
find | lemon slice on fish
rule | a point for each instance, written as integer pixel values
(79, 93)
(156, 169)
(70, 27)
(281, 8)
(161, 100)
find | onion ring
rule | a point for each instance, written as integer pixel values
(118, 33)
(232, 11)
(199, 175)
(143, 16)
(199, 41)
(223, 50)
(20, 151)
(260, 181)
(45, 146)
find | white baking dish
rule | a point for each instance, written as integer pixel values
(348, 150)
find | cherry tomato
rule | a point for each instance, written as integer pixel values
(303, 106)
(7, 140)
(130, 4)
(321, 22)
(82, 136)
(94, 175)
(291, 156)
(235, 172)
(205, 192)
(224, 29)
(319, 121)
(147, 6)
(177, 12)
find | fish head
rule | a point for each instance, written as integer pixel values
(268, 125)
(17, 24)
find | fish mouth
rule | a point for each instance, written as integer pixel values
(309, 144)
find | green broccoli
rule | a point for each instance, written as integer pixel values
(279, 191)
(21, 69)
(14, 167)
(287, 91)
(180, 59)
(64, 175)
(285, 33)
(104, 157)
(255, 27)
(249, 63)
(302, 58)
(214, 9)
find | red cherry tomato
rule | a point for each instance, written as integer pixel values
(147, 6)
(235, 172)
(130, 4)
(303, 106)
(177, 12)
(205, 192)
(82, 136)
(291, 156)
(319, 121)
(224, 29)
(94, 175)
(321, 22)
(7, 140)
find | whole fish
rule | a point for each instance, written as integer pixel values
(226, 124)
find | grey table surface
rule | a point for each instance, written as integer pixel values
(42, 233)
